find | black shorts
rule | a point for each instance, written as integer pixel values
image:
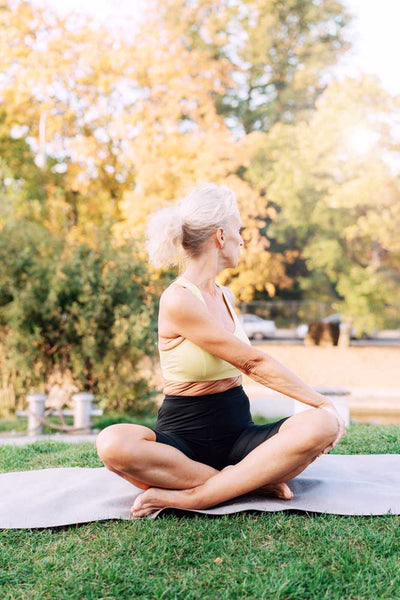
(214, 429)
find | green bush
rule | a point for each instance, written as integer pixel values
(86, 308)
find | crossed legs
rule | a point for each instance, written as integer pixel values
(172, 479)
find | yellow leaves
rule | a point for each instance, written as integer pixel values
(136, 125)
(270, 289)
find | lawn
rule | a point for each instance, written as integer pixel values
(274, 556)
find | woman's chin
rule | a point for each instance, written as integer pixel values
(230, 263)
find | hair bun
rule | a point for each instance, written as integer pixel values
(164, 236)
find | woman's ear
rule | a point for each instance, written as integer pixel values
(220, 237)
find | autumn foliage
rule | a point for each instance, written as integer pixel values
(101, 127)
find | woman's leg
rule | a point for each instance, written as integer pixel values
(132, 452)
(280, 458)
(121, 449)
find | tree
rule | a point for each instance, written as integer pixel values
(65, 86)
(183, 141)
(337, 198)
(274, 54)
(269, 58)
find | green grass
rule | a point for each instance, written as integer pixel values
(20, 424)
(271, 556)
(13, 424)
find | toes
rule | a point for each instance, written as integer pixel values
(143, 505)
(142, 512)
(139, 501)
(286, 493)
(280, 490)
(138, 504)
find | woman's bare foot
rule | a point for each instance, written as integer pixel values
(156, 498)
(280, 490)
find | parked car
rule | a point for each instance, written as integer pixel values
(257, 328)
(301, 331)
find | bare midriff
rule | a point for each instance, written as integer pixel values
(200, 388)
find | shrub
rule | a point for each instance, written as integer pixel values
(71, 306)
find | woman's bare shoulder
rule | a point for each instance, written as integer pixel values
(176, 298)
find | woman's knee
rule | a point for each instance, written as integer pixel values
(107, 443)
(314, 429)
(324, 428)
(118, 443)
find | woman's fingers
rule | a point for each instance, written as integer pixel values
(342, 426)
(340, 435)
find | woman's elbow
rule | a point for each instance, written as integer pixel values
(251, 365)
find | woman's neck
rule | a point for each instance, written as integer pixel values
(202, 273)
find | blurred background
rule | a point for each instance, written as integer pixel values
(110, 110)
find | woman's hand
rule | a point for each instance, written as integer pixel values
(342, 426)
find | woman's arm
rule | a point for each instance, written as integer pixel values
(285, 381)
(181, 313)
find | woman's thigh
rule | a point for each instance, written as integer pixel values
(133, 452)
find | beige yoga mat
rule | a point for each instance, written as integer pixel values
(336, 484)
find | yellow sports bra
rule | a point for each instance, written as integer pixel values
(188, 362)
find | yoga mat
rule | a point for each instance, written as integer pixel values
(335, 484)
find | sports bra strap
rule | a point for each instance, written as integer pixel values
(191, 286)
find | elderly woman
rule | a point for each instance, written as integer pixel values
(205, 448)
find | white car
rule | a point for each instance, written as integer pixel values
(301, 331)
(257, 328)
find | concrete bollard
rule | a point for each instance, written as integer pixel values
(345, 335)
(82, 410)
(36, 409)
(338, 396)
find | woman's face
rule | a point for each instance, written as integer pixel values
(232, 242)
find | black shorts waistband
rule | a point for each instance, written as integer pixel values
(231, 393)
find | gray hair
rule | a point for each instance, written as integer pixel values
(183, 229)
